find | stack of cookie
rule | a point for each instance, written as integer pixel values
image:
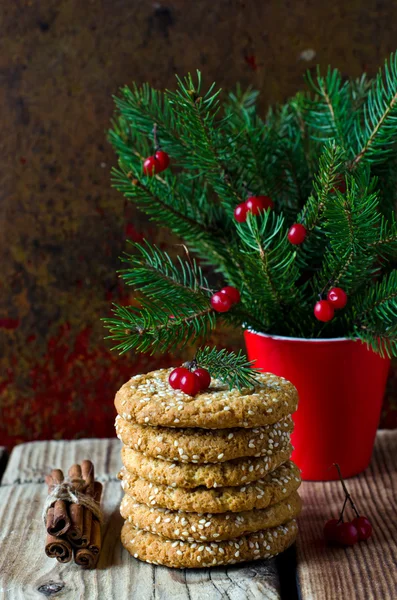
(207, 480)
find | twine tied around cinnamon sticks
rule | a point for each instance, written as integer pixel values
(72, 515)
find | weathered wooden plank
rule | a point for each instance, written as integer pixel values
(26, 573)
(30, 462)
(368, 569)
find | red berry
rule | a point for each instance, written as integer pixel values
(337, 297)
(257, 203)
(324, 311)
(175, 377)
(363, 526)
(204, 378)
(240, 212)
(163, 160)
(347, 534)
(189, 383)
(330, 530)
(297, 234)
(150, 166)
(232, 292)
(221, 302)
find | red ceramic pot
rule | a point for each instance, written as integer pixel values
(341, 384)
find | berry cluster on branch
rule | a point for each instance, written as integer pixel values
(347, 533)
(309, 251)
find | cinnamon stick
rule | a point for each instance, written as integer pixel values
(87, 471)
(95, 544)
(95, 534)
(76, 511)
(61, 521)
(58, 548)
(85, 558)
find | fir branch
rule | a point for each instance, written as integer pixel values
(138, 109)
(375, 128)
(152, 272)
(160, 325)
(327, 176)
(329, 114)
(209, 153)
(386, 244)
(375, 315)
(358, 89)
(269, 261)
(351, 224)
(159, 198)
(292, 162)
(232, 368)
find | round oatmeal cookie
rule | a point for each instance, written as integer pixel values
(155, 549)
(191, 527)
(203, 445)
(150, 400)
(187, 475)
(273, 488)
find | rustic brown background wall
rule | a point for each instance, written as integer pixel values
(62, 227)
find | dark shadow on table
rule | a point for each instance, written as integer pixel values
(286, 564)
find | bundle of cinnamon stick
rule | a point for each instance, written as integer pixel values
(72, 528)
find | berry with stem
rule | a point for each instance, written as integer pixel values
(221, 302)
(255, 204)
(258, 203)
(203, 377)
(297, 234)
(337, 297)
(324, 311)
(150, 166)
(363, 526)
(331, 530)
(232, 292)
(240, 212)
(162, 159)
(174, 378)
(346, 534)
(189, 383)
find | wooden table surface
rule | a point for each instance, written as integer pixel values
(309, 571)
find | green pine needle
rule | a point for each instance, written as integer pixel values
(230, 367)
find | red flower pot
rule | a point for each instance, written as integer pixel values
(341, 384)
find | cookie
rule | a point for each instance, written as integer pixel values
(155, 549)
(192, 527)
(273, 488)
(150, 400)
(187, 475)
(203, 445)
